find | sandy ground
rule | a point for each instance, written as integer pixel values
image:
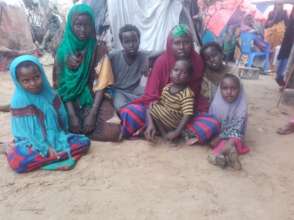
(135, 180)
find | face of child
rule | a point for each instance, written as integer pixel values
(179, 74)
(30, 79)
(229, 89)
(213, 58)
(81, 26)
(130, 42)
(182, 47)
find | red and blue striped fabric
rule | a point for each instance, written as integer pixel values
(24, 159)
(203, 126)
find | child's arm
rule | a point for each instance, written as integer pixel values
(74, 122)
(90, 120)
(151, 129)
(176, 133)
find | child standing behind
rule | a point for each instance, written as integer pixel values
(175, 107)
(230, 107)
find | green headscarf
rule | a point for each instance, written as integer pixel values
(73, 84)
(180, 30)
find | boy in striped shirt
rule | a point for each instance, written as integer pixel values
(175, 107)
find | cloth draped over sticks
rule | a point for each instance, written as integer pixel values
(150, 16)
(218, 15)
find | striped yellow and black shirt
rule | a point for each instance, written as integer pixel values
(172, 107)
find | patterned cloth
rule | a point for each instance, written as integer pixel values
(172, 107)
(201, 126)
(25, 159)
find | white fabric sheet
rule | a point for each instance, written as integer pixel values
(154, 19)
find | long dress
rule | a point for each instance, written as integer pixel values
(76, 85)
(39, 123)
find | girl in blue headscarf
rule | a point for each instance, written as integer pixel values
(39, 122)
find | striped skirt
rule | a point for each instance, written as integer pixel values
(202, 126)
(24, 159)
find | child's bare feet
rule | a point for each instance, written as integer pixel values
(232, 159)
(288, 129)
(219, 160)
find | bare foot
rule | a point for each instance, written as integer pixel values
(219, 160)
(288, 129)
(233, 159)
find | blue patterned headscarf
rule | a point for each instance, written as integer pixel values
(27, 129)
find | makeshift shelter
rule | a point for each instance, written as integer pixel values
(153, 18)
(15, 33)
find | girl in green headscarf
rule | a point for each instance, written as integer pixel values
(74, 63)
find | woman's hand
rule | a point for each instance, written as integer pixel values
(74, 124)
(89, 123)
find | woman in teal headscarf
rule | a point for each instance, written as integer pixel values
(39, 122)
(74, 64)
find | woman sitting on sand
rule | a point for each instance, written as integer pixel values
(179, 45)
(171, 114)
(39, 122)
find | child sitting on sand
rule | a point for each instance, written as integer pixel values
(39, 122)
(175, 107)
(230, 107)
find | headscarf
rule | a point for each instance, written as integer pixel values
(233, 116)
(160, 74)
(73, 84)
(27, 128)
